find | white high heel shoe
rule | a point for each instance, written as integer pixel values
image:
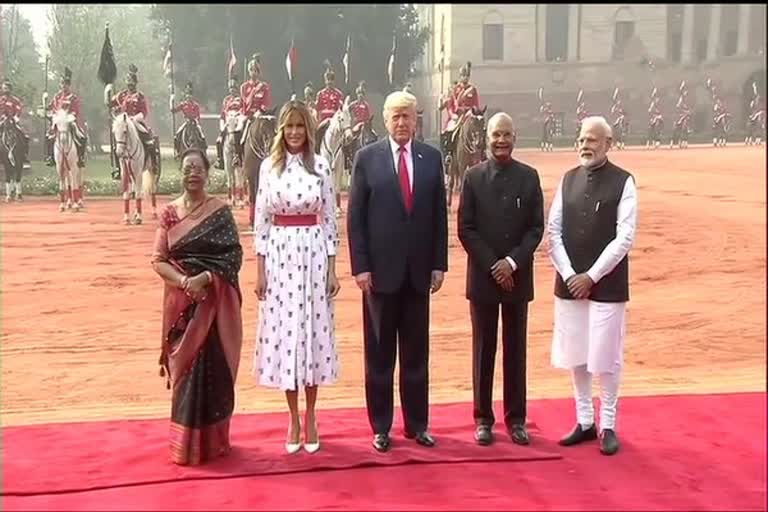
(292, 448)
(313, 447)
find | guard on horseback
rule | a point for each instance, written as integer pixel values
(547, 121)
(329, 101)
(720, 117)
(362, 129)
(133, 102)
(11, 108)
(655, 119)
(190, 107)
(581, 114)
(256, 93)
(756, 119)
(620, 124)
(463, 98)
(232, 103)
(68, 101)
(684, 114)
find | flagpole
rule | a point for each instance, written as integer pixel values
(173, 89)
(442, 73)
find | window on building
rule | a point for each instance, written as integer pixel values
(556, 46)
(675, 14)
(623, 33)
(493, 41)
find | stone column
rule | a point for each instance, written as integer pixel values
(713, 41)
(573, 32)
(686, 53)
(744, 24)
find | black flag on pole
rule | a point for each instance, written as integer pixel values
(107, 68)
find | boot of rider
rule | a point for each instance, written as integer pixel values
(80, 146)
(49, 160)
(219, 154)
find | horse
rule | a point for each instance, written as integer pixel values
(655, 129)
(65, 156)
(135, 175)
(11, 157)
(470, 147)
(331, 147)
(755, 128)
(192, 137)
(232, 165)
(720, 127)
(257, 143)
(680, 132)
(355, 143)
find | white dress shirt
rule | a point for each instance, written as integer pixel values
(395, 148)
(614, 252)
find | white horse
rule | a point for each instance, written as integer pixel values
(339, 127)
(235, 173)
(65, 155)
(135, 177)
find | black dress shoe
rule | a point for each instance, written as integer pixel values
(579, 435)
(381, 442)
(519, 435)
(483, 435)
(609, 443)
(422, 438)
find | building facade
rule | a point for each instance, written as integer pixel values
(515, 49)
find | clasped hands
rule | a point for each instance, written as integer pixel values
(364, 281)
(501, 271)
(580, 285)
(196, 287)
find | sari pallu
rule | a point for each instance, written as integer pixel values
(201, 342)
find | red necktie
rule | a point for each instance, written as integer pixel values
(405, 182)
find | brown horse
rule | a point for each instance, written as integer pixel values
(256, 146)
(469, 149)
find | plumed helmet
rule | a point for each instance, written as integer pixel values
(329, 74)
(133, 74)
(7, 83)
(408, 88)
(255, 63)
(309, 90)
(360, 88)
(466, 70)
(232, 82)
(66, 76)
(188, 88)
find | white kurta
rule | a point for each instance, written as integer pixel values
(587, 332)
(295, 334)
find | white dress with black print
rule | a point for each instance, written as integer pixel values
(296, 344)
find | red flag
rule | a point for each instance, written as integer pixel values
(291, 61)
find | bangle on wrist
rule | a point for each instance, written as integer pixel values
(183, 281)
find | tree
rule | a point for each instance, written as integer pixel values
(319, 33)
(21, 61)
(75, 41)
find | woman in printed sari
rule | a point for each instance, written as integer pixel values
(198, 255)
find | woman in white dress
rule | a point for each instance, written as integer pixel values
(296, 238)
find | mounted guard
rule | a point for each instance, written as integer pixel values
(231, 105)
(621, 123)
(548, 122)
(134, 103)
(11, 108)
(66, 99)
(720, 117)
(581, 114)
(190, 108)
(682, 126)
(756, 119)
(329, 101)
(655, 120)
(462, 99)
(309, 100)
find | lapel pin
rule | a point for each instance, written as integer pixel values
(418, 155)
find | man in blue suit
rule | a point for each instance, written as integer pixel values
(397, 224)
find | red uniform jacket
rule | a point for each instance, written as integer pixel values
(361, 111)
(131, 103)
(70, 102)
(190, 108)
(10, 105)
(329, 100)
(256, 96)
(231, 103)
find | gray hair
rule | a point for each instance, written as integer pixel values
(495, 118)
(600, 121)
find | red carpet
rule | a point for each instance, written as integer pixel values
(678, 453)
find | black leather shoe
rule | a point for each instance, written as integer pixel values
(579, 435)
(422, 438)
(609, 443)
(483, 435)
(381, 442)
(519, 435)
